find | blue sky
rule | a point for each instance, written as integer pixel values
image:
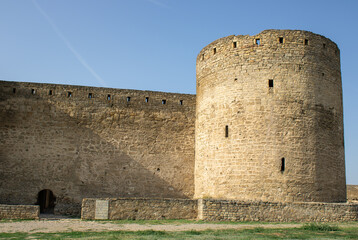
(153, 44)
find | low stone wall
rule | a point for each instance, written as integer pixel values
(70, 209)
(352, 193)
(138, 208)
(231, 210)
(216, 210)
(19, 211)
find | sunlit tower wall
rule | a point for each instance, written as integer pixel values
(269, 119)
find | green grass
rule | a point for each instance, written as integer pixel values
(320, 227)
(307, 231)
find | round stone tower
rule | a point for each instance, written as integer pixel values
(269, 119)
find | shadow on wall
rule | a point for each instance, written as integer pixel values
(81, 150)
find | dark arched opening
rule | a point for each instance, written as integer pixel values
(46, 200)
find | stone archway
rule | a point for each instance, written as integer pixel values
(46, 199)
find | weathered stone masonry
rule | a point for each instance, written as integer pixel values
(83, 142)
(269, 119)
(19, 211)
(234, 210)
(219, 210)
(266, 123)
(140, 208)
(352, 193)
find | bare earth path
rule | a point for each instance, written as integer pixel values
(52, 223)
(68, 225)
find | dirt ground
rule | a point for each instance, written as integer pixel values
(68, 225)
(48, 224)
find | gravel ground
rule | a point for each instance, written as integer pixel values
(48, 225)
(68, 225)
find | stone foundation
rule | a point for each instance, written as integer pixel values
(216, 210)
(19, 211)
(70, 209)
(138, 208)
(231, 210)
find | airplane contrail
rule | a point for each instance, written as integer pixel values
(68, 44)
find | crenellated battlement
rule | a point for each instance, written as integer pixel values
(290, 39)
(93, 95)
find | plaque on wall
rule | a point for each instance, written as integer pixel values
(101, 209)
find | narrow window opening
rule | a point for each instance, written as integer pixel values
(280, 39)
(164, 101)
(50, 92)
(128, 99)
(322, 74)
(202, 57)
(109, 97)
(226, 131)
(158, 169)
(69, 94)
(306, 41)
(214, 50)
(33, 91)
(257, 41)
(14, 90)
(235, 79)
(147, 99)
(336, 52)
(234, 44)
(282, 164)
(324, 46)
(270, 83)
(181, 102)
(90, 95)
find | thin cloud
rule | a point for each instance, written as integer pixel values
(69, 45)
(158, 3)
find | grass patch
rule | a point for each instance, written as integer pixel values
(253, 233)
(320, 227)
(258, 229)
(193, 232)
(13, 235)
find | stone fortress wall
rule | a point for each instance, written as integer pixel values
(269, 119)
(94, 142)
(262, 138)
(352, 193)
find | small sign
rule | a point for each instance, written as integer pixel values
(101, 209)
